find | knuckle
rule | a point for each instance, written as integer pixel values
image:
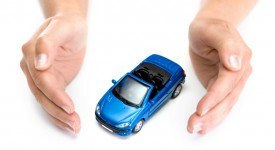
(22, 65)
(26, 47)
(194, 26)
(42, 41)
(249, 53)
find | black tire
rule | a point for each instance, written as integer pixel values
(177, 91)
(138, 126)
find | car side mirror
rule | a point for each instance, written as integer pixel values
(113, 81)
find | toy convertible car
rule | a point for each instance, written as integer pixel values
(136, 96)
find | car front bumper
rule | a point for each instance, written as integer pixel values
(119, 131)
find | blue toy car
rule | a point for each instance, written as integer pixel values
(137, 95)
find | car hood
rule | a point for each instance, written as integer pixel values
(115, 111)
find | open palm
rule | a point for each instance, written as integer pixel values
(221, 60)
(51, 59)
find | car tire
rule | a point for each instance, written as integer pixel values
(177, 91)
(138, 126)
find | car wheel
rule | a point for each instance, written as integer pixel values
(138, 126)
(177, 91)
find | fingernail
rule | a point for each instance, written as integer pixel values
(197, 127)
(70, 130)
(41, 60)
(234, 61)
(67, 109)
(71, 124)
(204, 112)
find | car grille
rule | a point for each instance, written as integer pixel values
(101, 121)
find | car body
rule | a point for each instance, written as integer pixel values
(135, 97)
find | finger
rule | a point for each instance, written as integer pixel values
(38, 32)
(230, 45)
(200, 124)
(54, 89)
(72, 120)
(30, 45)
(48, 42)
(233, 54)
(193, 125)
(30, 82)
(227, 79)
(63, 126)
(220, 88)
(224, 38)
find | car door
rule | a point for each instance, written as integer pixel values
(158, 100)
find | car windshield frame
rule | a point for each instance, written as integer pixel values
(131, 91)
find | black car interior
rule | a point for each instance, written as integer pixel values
(154, 75)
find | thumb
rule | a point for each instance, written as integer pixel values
(224, 37)
(44, 53)
(48, 42)
(231, 55)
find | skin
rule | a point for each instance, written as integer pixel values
(53, 57)
(221, 59)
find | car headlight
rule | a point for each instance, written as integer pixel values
(122, 125)
(98, 110)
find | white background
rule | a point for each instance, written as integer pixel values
(121, 34)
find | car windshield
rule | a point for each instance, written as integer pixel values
(130, 91)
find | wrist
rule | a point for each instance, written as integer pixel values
(231, 11)
(65, 8)
(75, 16)
(208, 15)
(74, 11)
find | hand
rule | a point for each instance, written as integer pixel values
(221, 60)
(51, 59)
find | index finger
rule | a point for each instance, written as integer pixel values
(218, 89)
(54, 89)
